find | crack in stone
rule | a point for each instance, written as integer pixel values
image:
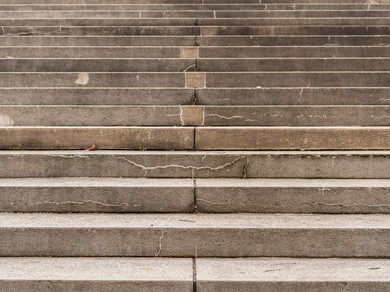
(191, 167)
(211, 203)
(160, 243)
(83, 203)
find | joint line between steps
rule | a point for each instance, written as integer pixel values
(194, 278)
(195, 206)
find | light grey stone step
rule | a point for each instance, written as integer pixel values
(282, 96)
(199, 14)
(93, 115)
(123, 40)
(196, 79)
(277, 30)
(10, 64)
(194, 235)
(206, 138)
(292, 138)
(293, 196)
(103, 65)
(167, 138)
(190, 20)
(184, 51)
(94, 96)
(107, 52)
(288, 40)
(96, 274)
(196, 164)
(103, 30)
(275, 64)
(193, 30)
(111, 195)
(257, 51)
(295, 115)
(292, 274)
(239, 6)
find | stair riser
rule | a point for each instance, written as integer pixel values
(192, 30)
(198, 165)
(189, 242)
(183, 65)
(257, 6)
(286, 96)
(184, 21)
(207, 116)
(83, 96)
(203, 52)
(192, 41)
(210, 80)
(98, 199)
(103, 138)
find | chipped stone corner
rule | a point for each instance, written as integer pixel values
(195, 79)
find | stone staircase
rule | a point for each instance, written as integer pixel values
(195, 145)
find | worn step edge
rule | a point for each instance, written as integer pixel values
(96, 274)
(297, 274)
(187, 235)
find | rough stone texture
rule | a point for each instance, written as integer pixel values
(109, 195)
(293, 196)
(273, 274)
(189, 235)
(286, 138)
(192, 115)
(199, 164)
(92, 138)
(196, 79)
(96, 96)
(95, 274)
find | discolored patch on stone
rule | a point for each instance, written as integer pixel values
(83, 79)
(189, 52)
(196, 79)
(192, 115)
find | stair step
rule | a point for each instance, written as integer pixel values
(96, 274)
(190, 20)
(93, 115)
(203, 41)
(167, 52)
(292, 274)
(129, 195)
(291, 138)
(189, 235)
(270, 96)
(181, 6)
(94, 96)
(199, 14)
(111, 195)
(10, 64)
(196, 164)
(293, 196)
(193, 30)
(196, 79)
(167, 138)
